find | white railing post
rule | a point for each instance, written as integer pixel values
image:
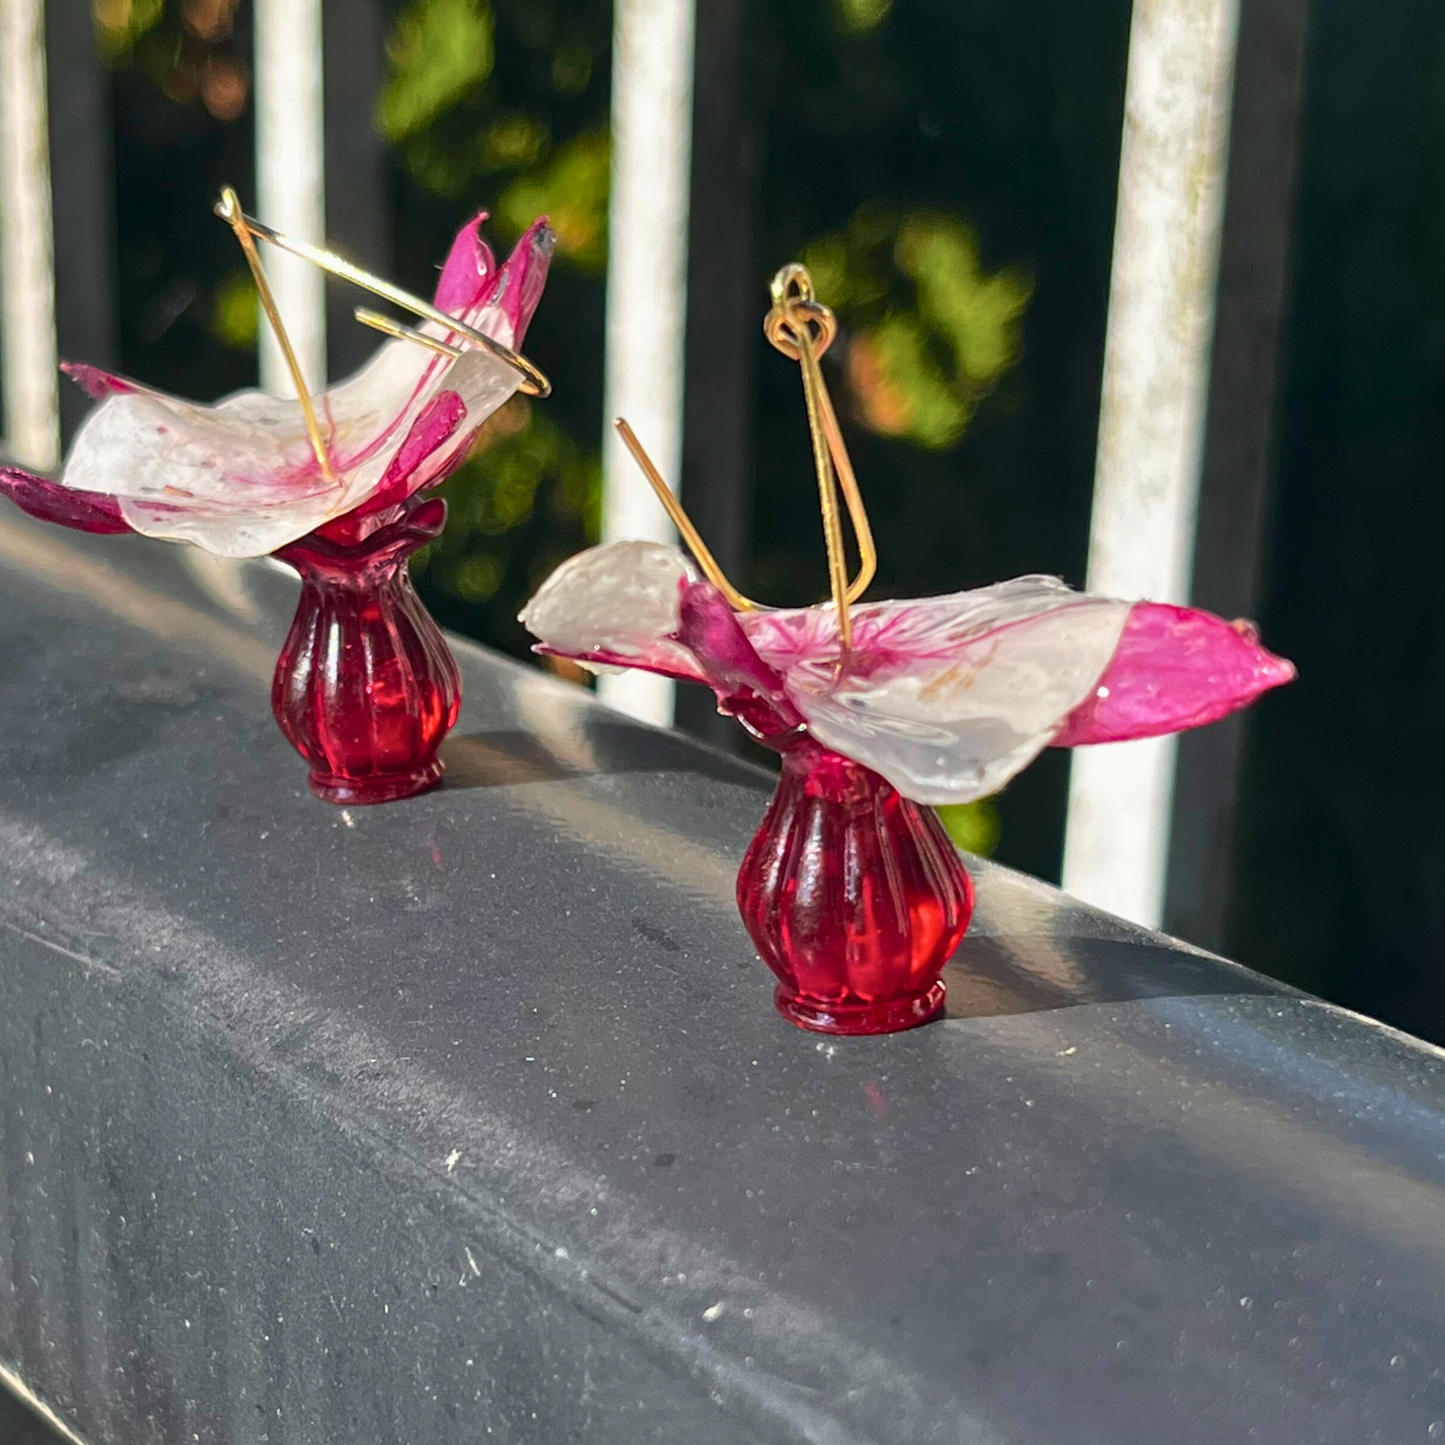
(290, 179)
(27, 246)
(652, 86)
(1156, 371)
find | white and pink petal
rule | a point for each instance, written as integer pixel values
(240, 478)
(617, 605)
(948, 697)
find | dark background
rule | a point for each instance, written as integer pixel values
(947, 167)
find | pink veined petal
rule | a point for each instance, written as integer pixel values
(1174, 668)
(51, 502)
(906, 633)
(746, 687)
(443, 414)
(238, 478)
(946, 697)
(96, 382)
(517, 289)
(468, 269)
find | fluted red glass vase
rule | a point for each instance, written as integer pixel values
(854, 896)
(366, 688)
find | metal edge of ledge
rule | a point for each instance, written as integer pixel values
(469, 1117)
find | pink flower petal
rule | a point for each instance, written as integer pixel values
(443, 414)
(946, 697)
(746, 687)
(467, 270)
(1174, 668)
(95, 382)
(51, 502)
(239, 478)
(518, 286)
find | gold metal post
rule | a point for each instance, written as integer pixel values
(229, 210)
(682, 521)
(533, 383)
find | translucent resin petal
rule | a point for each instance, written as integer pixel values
(616, 605)
(1174, 668)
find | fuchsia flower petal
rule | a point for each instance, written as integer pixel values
(95, 382)
(50, 502)
(947, 698)
(518, 287)
(240, 478)
(436, 425)
(746, 687)
(469, 266)
(1174, 668)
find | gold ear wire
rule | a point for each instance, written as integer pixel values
(534, 382)
(674, 509)
(388, 327)
(802, 328)
(229, 210)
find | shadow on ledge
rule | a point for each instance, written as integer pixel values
(992, 976)
(505, 758)
(19, 1427)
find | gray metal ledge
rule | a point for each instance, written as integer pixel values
(468, 1118)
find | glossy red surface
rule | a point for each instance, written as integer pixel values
(365, 688)
(854, 896)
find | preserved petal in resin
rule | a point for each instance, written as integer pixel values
(616, 606)
(1174, 668)
(240, 478)
(948, 697)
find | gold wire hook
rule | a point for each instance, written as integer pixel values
(534, 381)
(388, 327)
(228, 208)
(682, 521)
(802, 328)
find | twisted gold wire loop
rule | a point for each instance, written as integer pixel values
(802, 328)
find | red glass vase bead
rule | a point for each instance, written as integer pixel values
(854, 896)
(366, 688)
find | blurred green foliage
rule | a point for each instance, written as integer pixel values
(439, 51)
(931, 334)
(974, 827)
(120, 23)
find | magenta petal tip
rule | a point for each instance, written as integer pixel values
(1174, 668)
